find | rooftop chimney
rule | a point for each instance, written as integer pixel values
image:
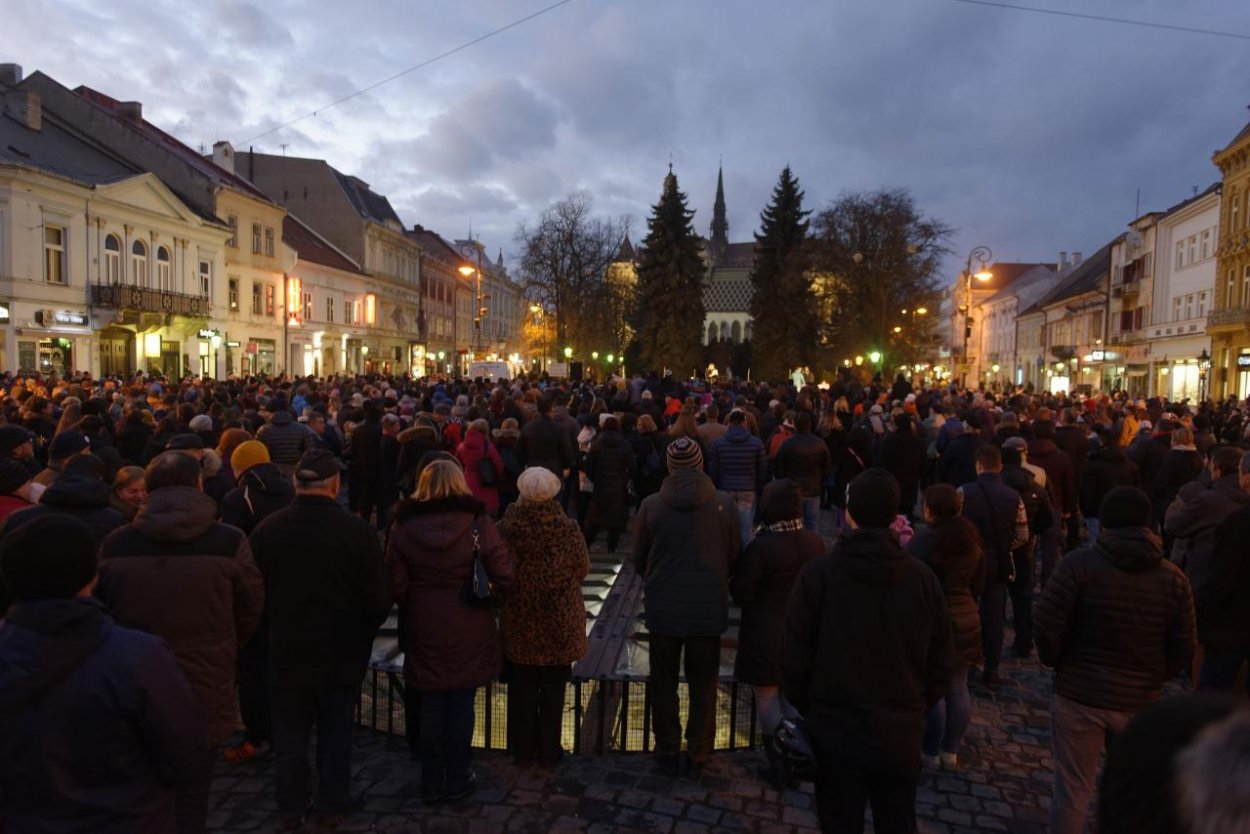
(223, 155)
(1076, 258)
(130, 110)
(10, 75)
(1063, 261)
(23, 106)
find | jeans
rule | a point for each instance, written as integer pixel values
(1220, 668)
(842, 797)
(295, 712)
(772, 706)
(948, 720)
(1079, 734)
(536, 712)
(993, 614)
(446, 736)
(811, 513)
(745, 502)
(702, 666)
(1021, 590)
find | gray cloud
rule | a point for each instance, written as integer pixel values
(1029, 133)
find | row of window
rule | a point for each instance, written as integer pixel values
(1183, 307)
(1195, 248)
(1231, 296)
(137, 264)
(264, 240)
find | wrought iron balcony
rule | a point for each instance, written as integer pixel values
(146, 300)
(1230, 315)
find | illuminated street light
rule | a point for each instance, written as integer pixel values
(898, 329)
(874, 357)
(568, 353)
(921, 311)
(859, 360)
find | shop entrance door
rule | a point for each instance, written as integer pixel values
(115, 354)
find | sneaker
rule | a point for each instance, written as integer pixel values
(933, 762)
(245, 752)
(461, 791)
(950, 761)
(991, 681)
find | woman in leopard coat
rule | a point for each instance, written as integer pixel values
(544, 619)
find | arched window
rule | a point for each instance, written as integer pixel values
(749, 331)
(735, 332)
(112, 260)
(724, 331)
(711, 333)
(164, 278)
(139, 264)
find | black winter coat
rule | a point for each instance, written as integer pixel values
(902, 455)
(963, 583)
(1116, 621)
(804, 459)
(1074, 442)
(1180, 466)
(686, 540)
(1193, 524)
(867, 652)
(545, 443)
(1060, 476)
(958, 464)
(610, 466)
(1108, 467)
(761, 586)
(326, 593)
(262, 490)
(98, 728)
(1223, 602)
(286, 439)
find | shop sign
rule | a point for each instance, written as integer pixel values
(207, 333)
(1097, 355)
(252, 347)
(1243, 360)
(232, 344)
(70, 317)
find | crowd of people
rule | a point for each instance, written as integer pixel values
(196, 569)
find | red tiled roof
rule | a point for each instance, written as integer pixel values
(313, 247)
(188, 155)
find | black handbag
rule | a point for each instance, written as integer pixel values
(794, 747)
(486, 471)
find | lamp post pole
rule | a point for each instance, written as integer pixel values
(984, 255)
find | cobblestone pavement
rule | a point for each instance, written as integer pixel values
(1003, 784)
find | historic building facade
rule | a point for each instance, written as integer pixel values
(1228, 325)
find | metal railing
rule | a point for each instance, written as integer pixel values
(148, 300)
(1229, 315)
(601, 715)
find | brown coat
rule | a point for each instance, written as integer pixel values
(179, 574)
(544, 618)
(448, 643)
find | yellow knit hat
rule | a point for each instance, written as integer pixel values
(247, 454)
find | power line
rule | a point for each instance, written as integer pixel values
(1123, 20)
(414, 68)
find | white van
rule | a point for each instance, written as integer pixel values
(491, 371)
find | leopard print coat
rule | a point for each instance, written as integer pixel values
(544, 617)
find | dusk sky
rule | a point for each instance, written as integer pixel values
(1030, 133)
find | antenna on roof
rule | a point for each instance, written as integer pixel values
(283, 145)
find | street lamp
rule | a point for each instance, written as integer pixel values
(874, 357)
(983, 256)
(466, 270)
(568, 353)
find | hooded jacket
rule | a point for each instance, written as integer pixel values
(1116, 621)
(98, 729)
(687, 538)
(761, 585)
(1193, 524)
(78, 495)
(177, 573)
(262, 490)
(867, 652)
(448, 643)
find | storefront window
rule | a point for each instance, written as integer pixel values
(27, 353)
(55, 355)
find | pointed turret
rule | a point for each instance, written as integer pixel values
(625, 254)
(719, 243)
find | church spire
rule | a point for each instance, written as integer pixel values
(720, 226)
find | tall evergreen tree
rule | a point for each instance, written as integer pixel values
(786, 321)
(669, 316)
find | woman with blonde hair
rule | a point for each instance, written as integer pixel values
(449, 637)
(129, 491)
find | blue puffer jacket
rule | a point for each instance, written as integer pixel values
(98, 728)
(736, 462)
